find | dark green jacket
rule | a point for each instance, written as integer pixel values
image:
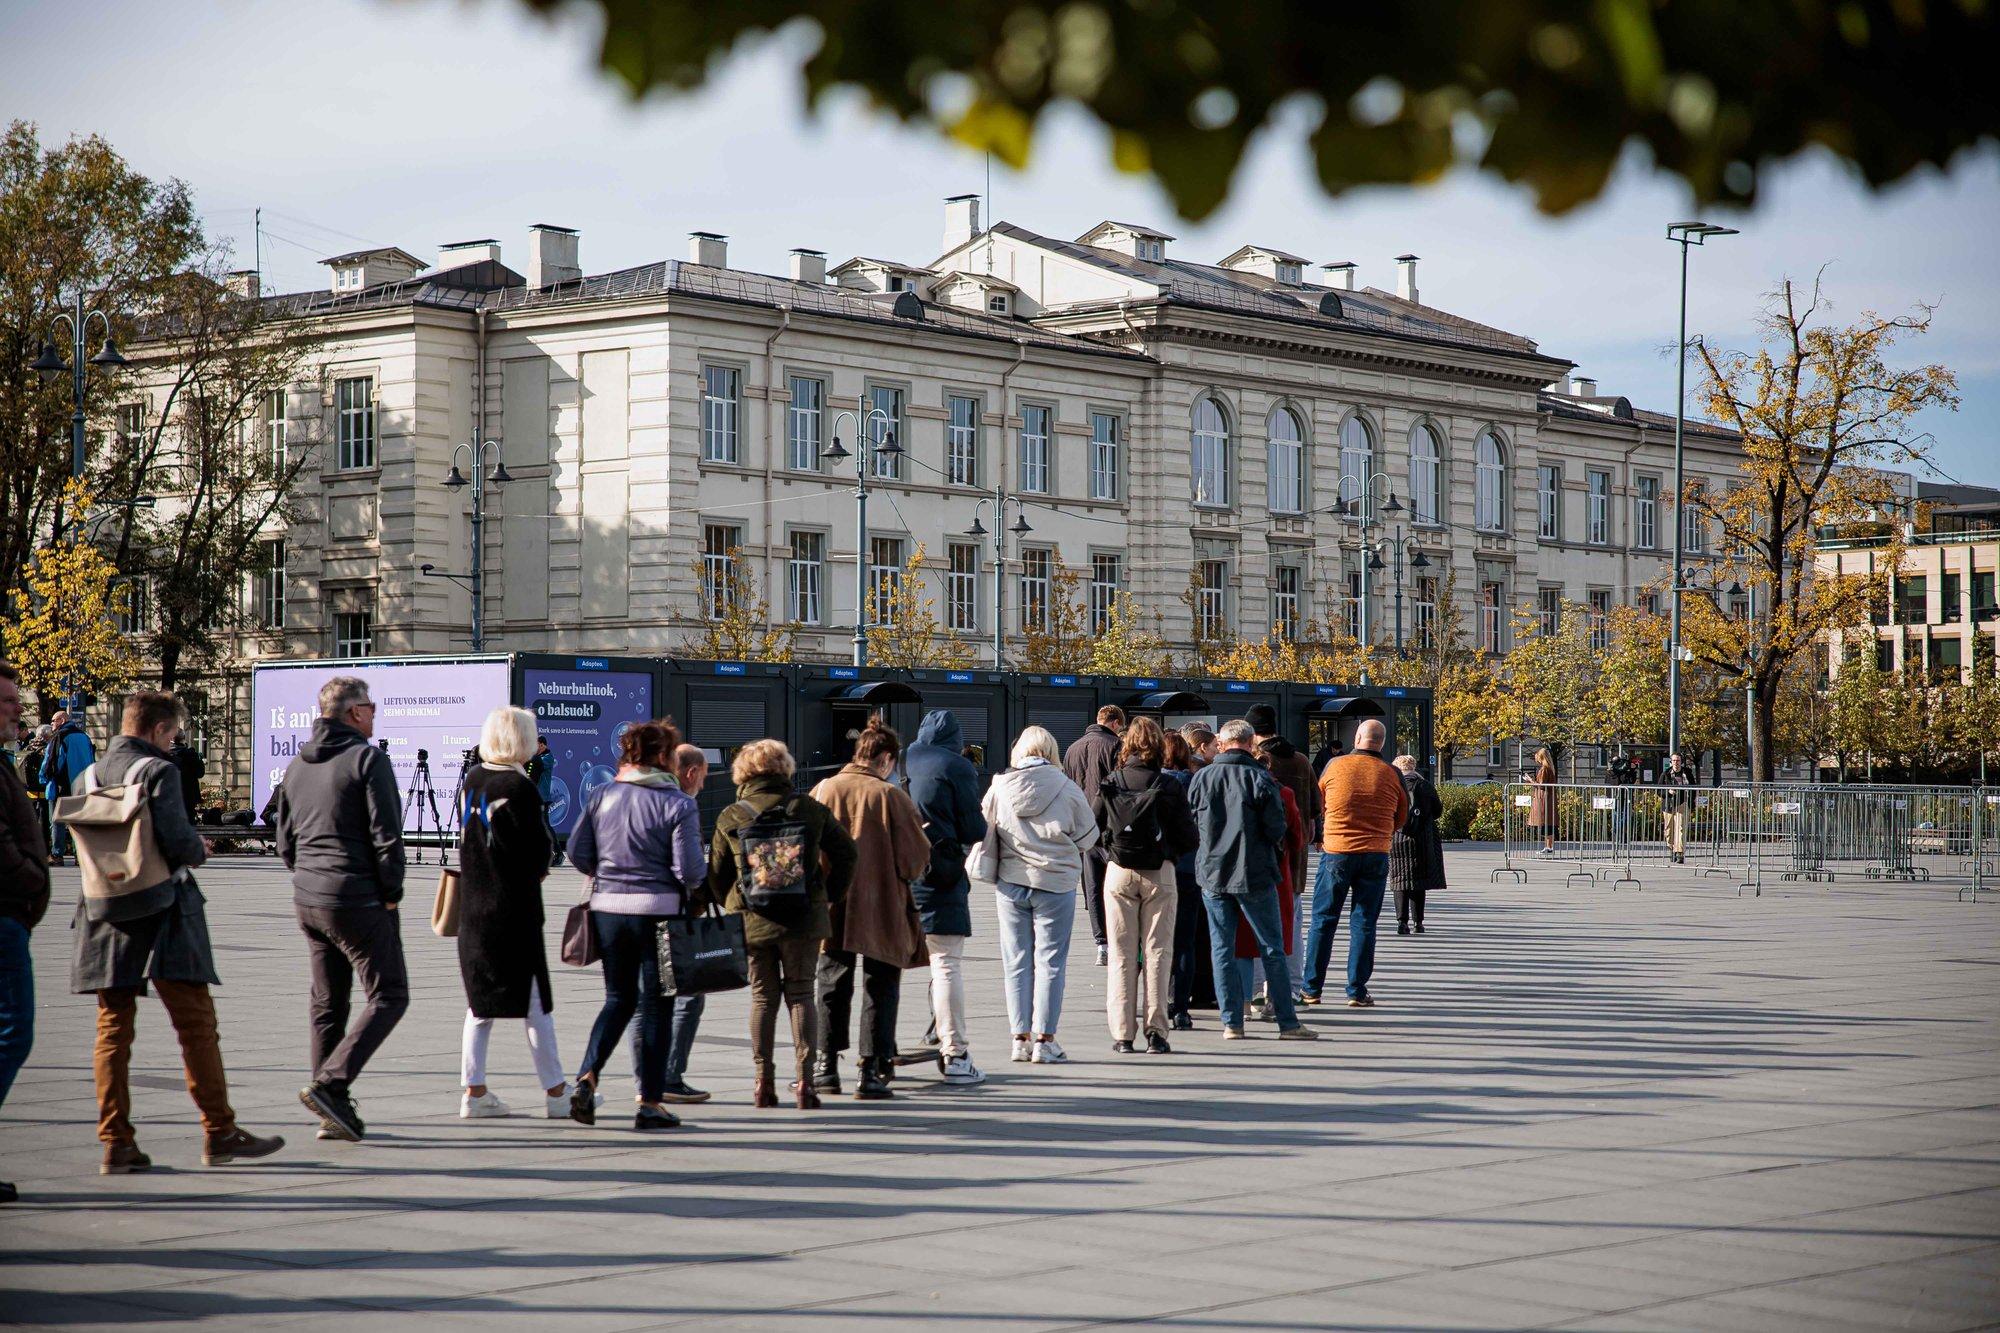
(827, 844)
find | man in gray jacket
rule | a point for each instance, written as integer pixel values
(339, 828)
(1241, 818)
(156, 935)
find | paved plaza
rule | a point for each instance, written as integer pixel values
(1573, 1108)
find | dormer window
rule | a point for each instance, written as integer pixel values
(1288, 274)
(1152, 251)
(997, 304)
(348, 279)
(898, 284)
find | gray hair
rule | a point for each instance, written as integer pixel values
(1406, 762)
(1236, 732)
(340, 694)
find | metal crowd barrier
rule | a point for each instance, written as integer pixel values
(1598, 832)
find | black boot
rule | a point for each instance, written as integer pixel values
(826, 1072)
(874, 1087)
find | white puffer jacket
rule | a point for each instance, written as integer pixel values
(1043, 827)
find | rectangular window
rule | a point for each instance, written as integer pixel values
(961, 442)
(1885, 654)
(1037, 568)
(1212, 599)
(961, 587)
(132, 429)
(805, 419)
(719, 544)
(1949, 595)
(1034, 449)
(721, 402)
(885, 423)
(1983, 608)
(1548, 611)
(1694, 528)
(1912, 599)
(1549, 493)
(1107, 572)
(1492, 603)
(1285, 602)
(267, 585)
(1104, 460)
(1600, 618)
(1600, 507)
(1426, 612)
(276, 427)
(1946, 657)
(1350, 605)
(885, 578)
(1646, 513)
(805, 575)
(354, 634)
(1649, 602)
(131, 605)
(354, 421)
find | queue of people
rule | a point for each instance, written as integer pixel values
(1179, 843)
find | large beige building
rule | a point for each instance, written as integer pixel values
(1153, 420)
(1941, 611)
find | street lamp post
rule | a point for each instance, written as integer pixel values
(476, 452)
(1683, 234)
(1358, 505)
(1000, 500)
(1404, 548)
(864, 419)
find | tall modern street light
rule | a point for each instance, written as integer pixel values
(1358, 505)
(476, 581)
(1000, 500)
(865, 451)
(50, 364)
(1683, 234)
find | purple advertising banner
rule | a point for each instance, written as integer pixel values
(582, 714)
(434, 707)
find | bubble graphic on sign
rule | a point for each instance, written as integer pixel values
(558, 800)
(595, 776)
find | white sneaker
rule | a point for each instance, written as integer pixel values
(1103, 956)
(486, 1106)
(1024, 1050)
(557, 1108)
(960, 1069)
(1050, 1053)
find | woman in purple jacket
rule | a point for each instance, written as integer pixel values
(640, 838)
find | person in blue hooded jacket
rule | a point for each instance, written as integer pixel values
(70, 752)
(945, 787)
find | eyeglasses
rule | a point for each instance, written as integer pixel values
(370, 707)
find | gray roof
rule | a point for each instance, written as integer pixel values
(1604, 409)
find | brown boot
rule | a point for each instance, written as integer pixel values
(765, 1096)
(238, 1145)
(124, 1159)
(808, 1100)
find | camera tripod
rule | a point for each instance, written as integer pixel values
(422, 796)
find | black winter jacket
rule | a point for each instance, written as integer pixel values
(340, 822)
(503, 857)
(24, 857)
(1164, 830)
(945, 786)
(1091, 758)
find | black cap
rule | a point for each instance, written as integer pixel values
(1263, 719)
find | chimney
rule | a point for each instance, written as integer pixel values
(457, 254)
(1582, 386)
(709, 248)
(551, 255)
(245, 283)
(809, 266)
(1406, 278)
(961, 220)
(1340, 275)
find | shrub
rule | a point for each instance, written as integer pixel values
(1488, 817)
(1461, 801)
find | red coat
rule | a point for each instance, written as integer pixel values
(1288, 892)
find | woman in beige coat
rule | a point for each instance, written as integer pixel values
(875, 928)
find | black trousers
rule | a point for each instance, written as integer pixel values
(343, 943)
(1191, 960)
(833, 996)
(1095, 864)
(1409, 905)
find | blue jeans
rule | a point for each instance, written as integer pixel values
(680, 1042)
(1260, 909)
(1366, 876)
(1035, 926)
(17, 1002)
(630, 954)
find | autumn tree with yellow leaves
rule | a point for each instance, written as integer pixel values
(905, 630)
(63, 631)
(736, 617)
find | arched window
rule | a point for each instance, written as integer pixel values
(1490, 495)
(1357, 461)
(1211, 454)
(1426, 473)
(1287, 461)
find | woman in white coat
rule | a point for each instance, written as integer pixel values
(1038, 827)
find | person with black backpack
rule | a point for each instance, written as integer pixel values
(1144, 825)
(778, 858)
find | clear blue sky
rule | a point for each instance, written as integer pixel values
(421, 122)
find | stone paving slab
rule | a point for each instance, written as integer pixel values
(1573, 1108)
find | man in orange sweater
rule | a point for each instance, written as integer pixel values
(1365, 804)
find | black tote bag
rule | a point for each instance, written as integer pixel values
(702, 955)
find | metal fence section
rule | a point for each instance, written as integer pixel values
(1600, 833)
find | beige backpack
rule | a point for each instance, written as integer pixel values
(115, 846)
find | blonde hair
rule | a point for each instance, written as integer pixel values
(1035, 743)
(762, 759)
(1406, 762)
(508, 737)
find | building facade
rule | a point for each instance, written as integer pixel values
(1940, 615)
(1225, 442)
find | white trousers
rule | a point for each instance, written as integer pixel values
(948, 990)
(541, 1045)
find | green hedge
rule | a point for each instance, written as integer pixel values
(1463, 802)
